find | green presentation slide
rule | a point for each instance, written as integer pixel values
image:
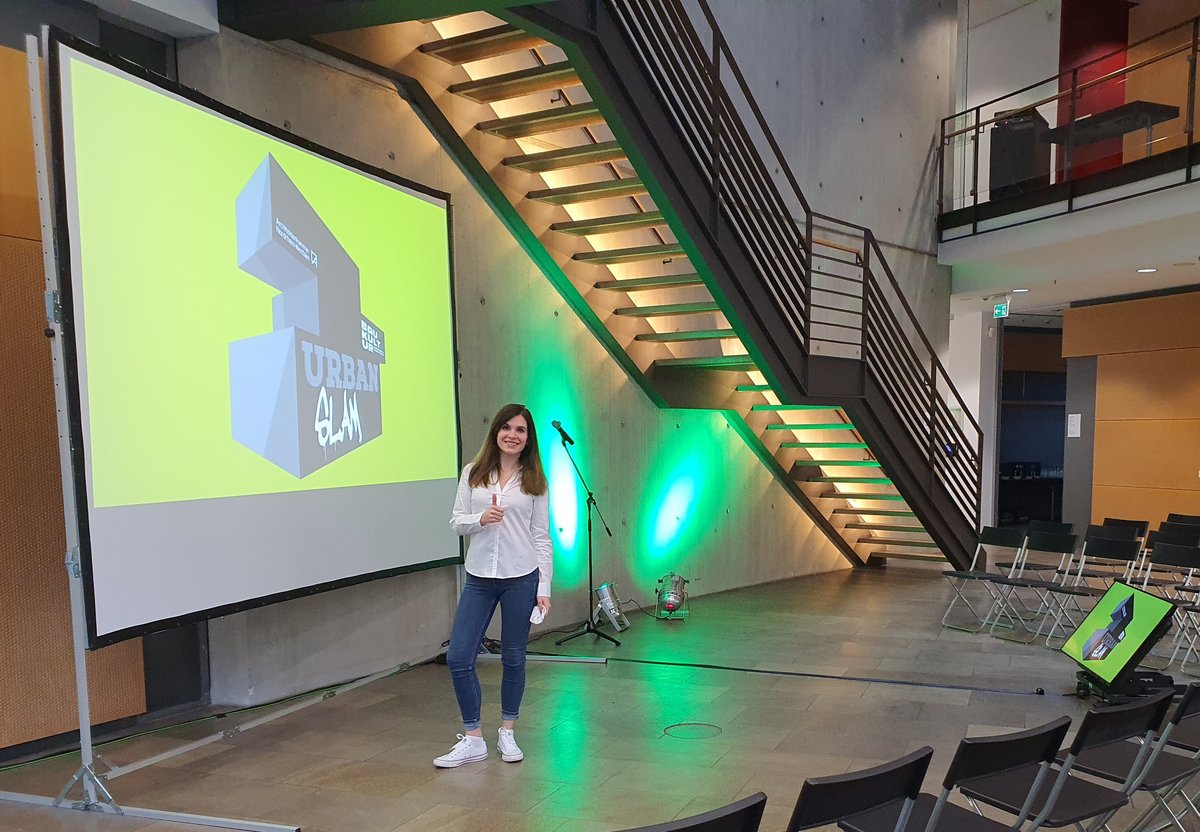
(255, 319)
(1116, 628)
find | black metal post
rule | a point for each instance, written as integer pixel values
(1191, 102)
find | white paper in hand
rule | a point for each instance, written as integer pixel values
(537, 616)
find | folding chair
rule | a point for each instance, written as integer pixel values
(1050, 526)
(825, 800)
(1191, 519)
(1066, 597)
(1142, 526)
(991, 536)
(1185, 561)
(1162, 776)
(1107, 572)
(1192, 530)
(743, 816)
(1007, 588)
(1067, 800)
(976, 757)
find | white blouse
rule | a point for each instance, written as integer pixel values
(516, 545)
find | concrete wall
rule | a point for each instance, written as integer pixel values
(973, 362)
(855, 91)
(748, 531)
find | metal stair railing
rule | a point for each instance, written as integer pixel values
(705, 95)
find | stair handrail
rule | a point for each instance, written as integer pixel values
(718, 113)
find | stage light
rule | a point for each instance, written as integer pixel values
(609, 603)
(672, 596)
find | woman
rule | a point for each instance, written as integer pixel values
(502, 505)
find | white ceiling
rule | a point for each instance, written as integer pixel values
(1093, 253)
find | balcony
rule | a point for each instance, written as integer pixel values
(1085, 138)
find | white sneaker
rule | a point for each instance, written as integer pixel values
(507, 745)
(468, 749)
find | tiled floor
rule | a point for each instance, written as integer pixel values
(597, 757)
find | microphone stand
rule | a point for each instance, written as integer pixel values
(588, 627)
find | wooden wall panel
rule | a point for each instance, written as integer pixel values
(37, 683)
(1149, 385)
(1158, 454)
(1034, 352)
(1162, 323)
(18, 179)
(1164, 82)
(1152, 504)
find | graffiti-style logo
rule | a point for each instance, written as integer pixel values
(307, 392)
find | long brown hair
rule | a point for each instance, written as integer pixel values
(487, 462)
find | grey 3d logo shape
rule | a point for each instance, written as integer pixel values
(307, 392)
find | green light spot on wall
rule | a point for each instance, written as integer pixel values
(681, 496)
(564, 499)
(673, 511)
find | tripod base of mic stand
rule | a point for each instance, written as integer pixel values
(588, 628)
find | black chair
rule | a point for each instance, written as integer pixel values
(1163, 776)
(1183, 595)
(743, 816)
(1121, 532)
(990, 537)
(1068, 800)
(1050, 526)
(1143, 526)
(1190, 531)
(1191, 519)
(1009, 604)
(825, 800)
(976, 757)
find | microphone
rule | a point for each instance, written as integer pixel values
(558, 427)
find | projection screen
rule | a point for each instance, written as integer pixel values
(259, 349)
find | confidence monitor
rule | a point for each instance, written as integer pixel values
(1118, 632)
(259, 352)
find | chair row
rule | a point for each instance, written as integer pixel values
(1064, 578)
(1027, 775)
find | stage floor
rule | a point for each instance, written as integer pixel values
(597, 755)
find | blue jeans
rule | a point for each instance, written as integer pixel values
(517, 597)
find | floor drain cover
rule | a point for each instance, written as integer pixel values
(692, 730)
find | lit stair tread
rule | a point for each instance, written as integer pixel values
(886, 527)
(542, 121)
(715, 362)
(666, 310)
(521, 82)
(485, 43)
(754, 388)
(821, 426)
(924, 544)
(775, 407)
(839, 463)
(829, 445)
(642, 284)
(857, 495)
(686, 335)
(886, 554)
(883, 512)
(589, 191)
(631, 254)
(567, 157)
(852, 480)
(607, 225)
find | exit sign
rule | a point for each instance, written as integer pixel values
(1000, 310)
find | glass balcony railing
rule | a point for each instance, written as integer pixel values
(1116, 127)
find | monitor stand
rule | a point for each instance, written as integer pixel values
(1136, 685)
